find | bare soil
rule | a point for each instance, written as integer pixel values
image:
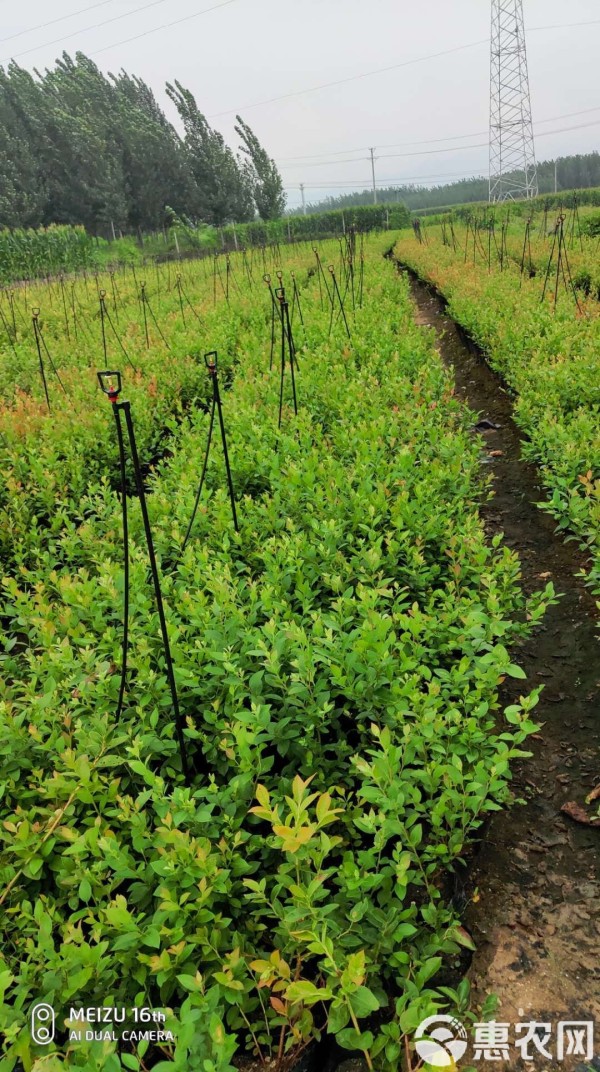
(532, 894)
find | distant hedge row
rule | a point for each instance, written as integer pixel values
(320, 225)
(45, 251)
(553, 202)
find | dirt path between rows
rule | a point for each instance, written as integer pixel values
(536, 921)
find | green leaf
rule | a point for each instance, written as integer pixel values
(351, 1039)
(306, 992)
(189, 982)
(410, 1019)
(363, 1001)
(462, 937)
(427, 970)
(516, 671)
(85, 890)
(339, 1015)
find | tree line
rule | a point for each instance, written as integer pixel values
(79, 147)
(572, 173)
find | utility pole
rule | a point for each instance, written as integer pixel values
(303, 200)
(513, 171)
(555, 176)
(373, 174)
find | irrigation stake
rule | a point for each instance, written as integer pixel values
(296, 300)
(336, 293)
(183, 293)
(286, 345)
(105, 316)
(40, 341)
(248, 268)
(110, 382)
(34, 316)
(143, 301)
(526, 244)
(146, 306)
(178, 285)
(467, 238)
(361, 278)
(8, 334)
(575, 219)
(562, 262)
(64, 301)
(320, 273)
(101, 298)
(11, 302)
(114, 294)
(274, 307)
(217, 272)
(211, 361)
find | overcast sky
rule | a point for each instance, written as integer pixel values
(244, 52)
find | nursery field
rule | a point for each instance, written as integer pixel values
(246, 828)
(526, 290)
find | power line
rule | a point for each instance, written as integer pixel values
(382, 183)
(389, 156)
(351, 78)
(379, 182)
(565, 130)
(106, 22)
(323, 163)
(428, 141)
(435, 152)
(391, 145)
(564, 25)
(84, 29)
(392, 67)
(165, 26)
(45, 25)
(391, 182)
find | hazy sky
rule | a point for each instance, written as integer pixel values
(245, 51)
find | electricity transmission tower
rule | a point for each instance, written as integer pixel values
(513, 171)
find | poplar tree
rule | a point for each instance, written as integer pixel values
(267, 187)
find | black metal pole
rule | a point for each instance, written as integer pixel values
(178, 285)
(212, 366)
(126, 409)
(291, 350)
(34, 317)
(339, 298)
(64, 301)
(143, 301)
(549, 265)
(201, 484)
(110, 382)
(102, 295)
